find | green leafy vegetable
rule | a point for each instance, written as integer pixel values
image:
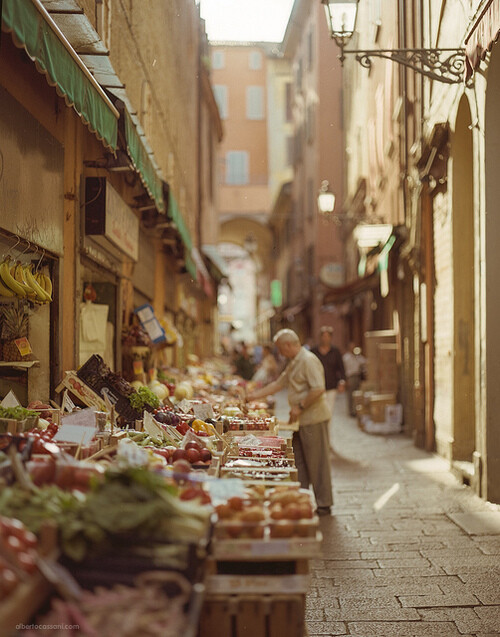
(142, 397)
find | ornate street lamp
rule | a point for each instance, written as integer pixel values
(443, 65)
(326, 200)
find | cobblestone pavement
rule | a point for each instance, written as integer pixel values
(393, 563)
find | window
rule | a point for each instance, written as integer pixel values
(103, 22)
(298, 77)
(218, 60)
(288, 102)
(237, 167)
(220, 93)
(255, 102)
(310, 50)
(255, 60)
(311, 200)
(290, 148)
(310, 123)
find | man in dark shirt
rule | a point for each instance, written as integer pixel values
(331, 359)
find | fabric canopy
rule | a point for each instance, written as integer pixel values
(483, 35)
(34, 30)
(176, 215)
(143, 163)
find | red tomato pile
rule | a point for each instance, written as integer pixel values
(18, 554)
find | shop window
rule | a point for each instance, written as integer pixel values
(220, 94)
(255, 102)
(237, 168)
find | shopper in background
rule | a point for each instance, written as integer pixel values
(305, 379)
(243, 363)
(331, 359)
(354, 365)
(268, 368)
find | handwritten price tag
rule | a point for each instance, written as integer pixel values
(23, 345)
(203, 411)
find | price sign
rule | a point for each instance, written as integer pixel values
(78, 427)
(138, 367)
(222, 490)
(23, 345)
(203, 411)
(185, 406)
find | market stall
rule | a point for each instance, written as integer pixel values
(166, 516)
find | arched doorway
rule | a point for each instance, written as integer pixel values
(464, 403)
(489, 443)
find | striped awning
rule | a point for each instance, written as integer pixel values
(35, 31)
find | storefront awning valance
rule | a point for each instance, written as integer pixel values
(142, 163)
(218, 263)
(175, 214)
(353, 288)
(483, 34)
(34, 30)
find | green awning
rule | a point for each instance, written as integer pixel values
(34, 30)
(175, 214)
(143, 164)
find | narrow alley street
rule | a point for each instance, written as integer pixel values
(394, 563)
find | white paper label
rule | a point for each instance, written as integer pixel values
(78, 427)
(203, 411)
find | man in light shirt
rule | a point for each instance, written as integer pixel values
(305, 379)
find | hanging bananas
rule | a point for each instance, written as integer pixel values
(18, 280)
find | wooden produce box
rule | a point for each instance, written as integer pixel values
(257, 576)
(274, 615)
(268, 549)
(254, 473)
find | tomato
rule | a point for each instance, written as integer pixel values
(30, 539)
(8, 581)
(27, 562)
(14, 544)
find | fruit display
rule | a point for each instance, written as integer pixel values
(144, 609)
(14, 325)
(19, 280)
(240, 518)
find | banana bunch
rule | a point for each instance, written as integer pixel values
(18, 280)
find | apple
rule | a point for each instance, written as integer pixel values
(193, 445)
(179, 454)
(193, 455)
(205, 455)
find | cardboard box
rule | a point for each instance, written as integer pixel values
(378, 403)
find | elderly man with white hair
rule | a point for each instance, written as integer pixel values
(305, 379)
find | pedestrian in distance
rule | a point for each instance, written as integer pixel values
(243, 362)
(331, 359)
(268, 368)
(305, 379)
(354, 365)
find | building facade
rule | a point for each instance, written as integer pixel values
(108, 178)
(440, 192)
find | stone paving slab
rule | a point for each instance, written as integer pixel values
(465, 619)
(427, 601)
(372, 614)
(404, 629)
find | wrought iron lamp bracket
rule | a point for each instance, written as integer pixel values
(442, 65)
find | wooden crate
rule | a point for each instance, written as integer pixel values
(253, 616)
